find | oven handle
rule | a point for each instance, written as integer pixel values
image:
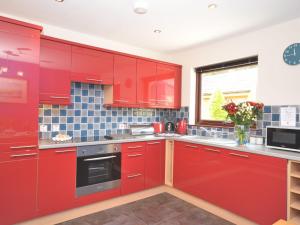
(100, 158)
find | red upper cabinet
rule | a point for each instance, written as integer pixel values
(55, 68)
(155, 164)
(168, 86)
(57, 185)
(124, 90)
(91, 66)
(18, 188)
(146, 83)
(19, 72)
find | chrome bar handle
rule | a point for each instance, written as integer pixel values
(59, 97)
(23, 155)
(100, 158)
(239, 155)
(91, 79)
(65, 151)
(212, 150)
(153, 143)
(119, 100)
(24, 146)
(135, 147)
(191, 146)
(135, 175)
(135, 155)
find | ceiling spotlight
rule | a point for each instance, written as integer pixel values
(59, 0)
(140, 7)
(157, 31)
(212, 6)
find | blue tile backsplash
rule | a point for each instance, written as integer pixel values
(87, 117)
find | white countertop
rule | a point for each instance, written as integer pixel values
(256, 149)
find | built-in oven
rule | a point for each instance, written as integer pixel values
(283, 138)
(98, 168)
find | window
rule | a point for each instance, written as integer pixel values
(221, 83)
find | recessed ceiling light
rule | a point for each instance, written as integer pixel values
(140, 7)
(59, 0)
(212, 6)
(157, 31)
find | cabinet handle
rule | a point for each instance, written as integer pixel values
(144, 102)
(191, 146)
(64, 151)
(161, 100)
(239, 155)
(100, 158)
(91, 79)
(135, 155)
(135, 147)
(59, 97)
(212, 150)
(135, 175)
(119, 100)
(153, 143)
(25, 146)
(24, 155)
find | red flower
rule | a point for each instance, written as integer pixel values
(231, 108)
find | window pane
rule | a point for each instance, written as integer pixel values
(223, 86)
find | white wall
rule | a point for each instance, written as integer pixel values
(74, 36)
(278, 83)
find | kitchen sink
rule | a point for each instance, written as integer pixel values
(221, 141)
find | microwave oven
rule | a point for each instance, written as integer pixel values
(285, 138)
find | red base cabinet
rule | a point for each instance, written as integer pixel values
(250, 185)
(57, 180)
(18, 188)
(155, 164)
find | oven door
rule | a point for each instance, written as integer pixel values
(98, 173)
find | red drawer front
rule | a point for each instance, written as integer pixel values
(131, 147)
(132, 182)
(133, 162)
(19, 155)
(46, 98)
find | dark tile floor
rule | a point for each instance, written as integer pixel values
(162, 209)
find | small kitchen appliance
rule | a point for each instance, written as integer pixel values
(181, 127)
(170, 128)
(159, 127)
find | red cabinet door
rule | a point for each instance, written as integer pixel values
(187, 160)
(168, 86)
(133, 167)
(55, 68)
(57, 180)
(155, 164)
(18, 188)
(146, 83)
(255, 186)
(19, 62)
(124, 80)
(91, 66)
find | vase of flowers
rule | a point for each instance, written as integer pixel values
(243, 115)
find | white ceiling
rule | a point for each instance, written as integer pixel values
(184, 23)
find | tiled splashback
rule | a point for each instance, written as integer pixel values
(271, 117)
(87, 117)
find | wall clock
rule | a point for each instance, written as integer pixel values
(291, 54)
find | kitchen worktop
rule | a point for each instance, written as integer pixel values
(256, 149)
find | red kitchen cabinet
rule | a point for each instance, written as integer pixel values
(124, 89)
(168, 86)
(133, 167)
(19, 71)
(255, 186)
(250, 185)
(146, 83)
(155, 164)
(57, 180)
(91, 66)
(18, 187)
(55, 69)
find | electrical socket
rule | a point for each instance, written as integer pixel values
(43, 128)
(55, 127)
(122, 126)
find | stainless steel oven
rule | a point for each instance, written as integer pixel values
(98, 168)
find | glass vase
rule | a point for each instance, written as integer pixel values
(242, 134)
